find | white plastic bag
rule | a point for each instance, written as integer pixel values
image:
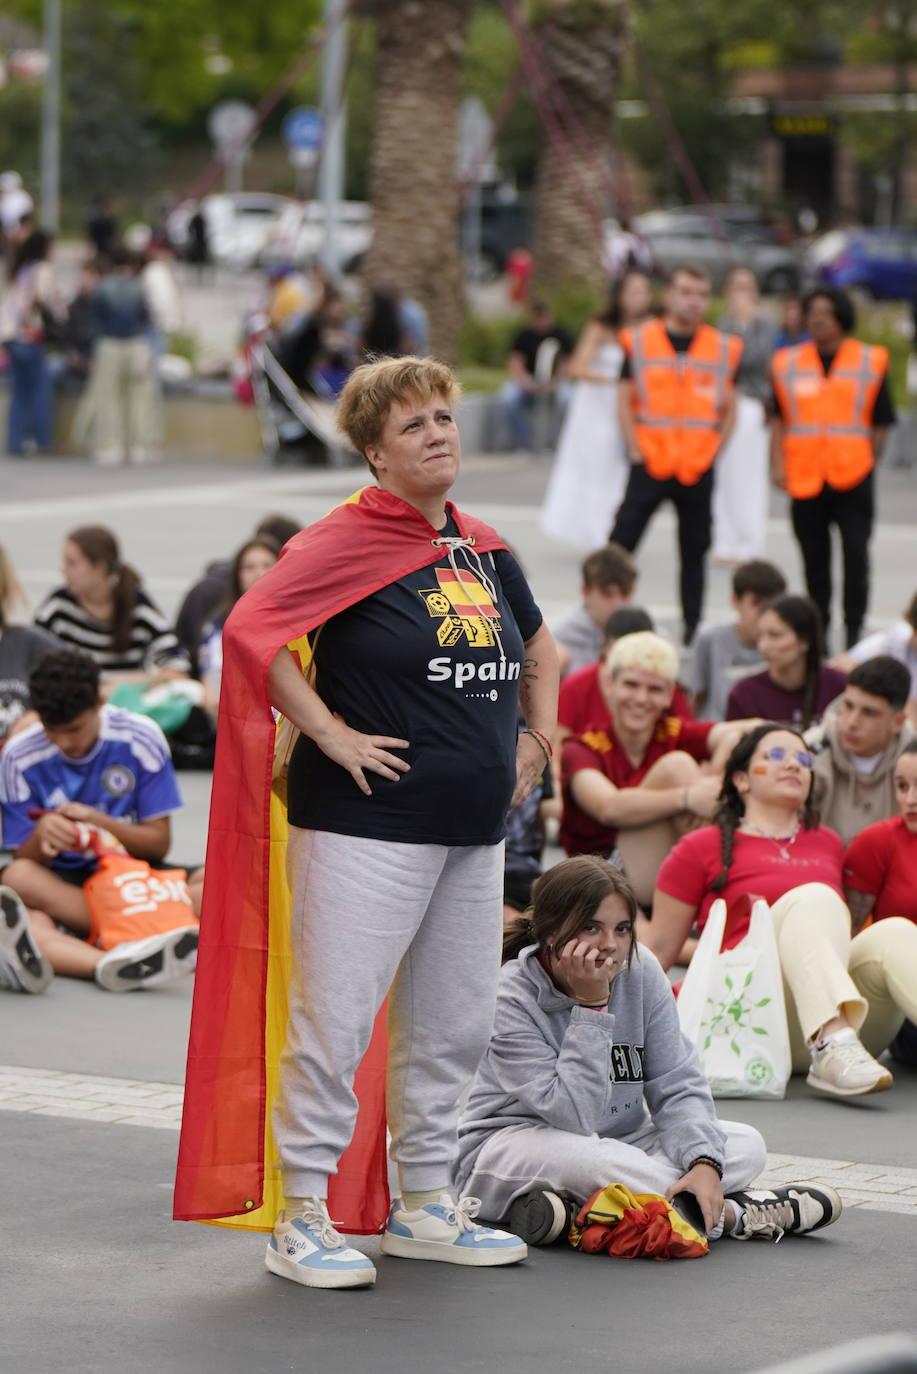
(731, 1007)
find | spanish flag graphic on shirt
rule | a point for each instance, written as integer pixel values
(463, 607)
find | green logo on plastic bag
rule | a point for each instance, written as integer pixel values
(732, 1014)
(758, 1072)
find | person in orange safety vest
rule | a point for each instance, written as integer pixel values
(831, 408)
(676, 405)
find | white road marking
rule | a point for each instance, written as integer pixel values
(315, 492)
(135, 1102)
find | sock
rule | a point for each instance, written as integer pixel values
(298, 1206)
(413, 1201)
(739, 1210)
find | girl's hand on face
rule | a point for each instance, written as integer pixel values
(586, 971)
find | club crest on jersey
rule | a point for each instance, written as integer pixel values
(118, 780)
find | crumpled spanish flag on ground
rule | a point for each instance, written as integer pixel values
(634, 1226)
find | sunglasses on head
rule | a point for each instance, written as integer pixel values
(778, 753)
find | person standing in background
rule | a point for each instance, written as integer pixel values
(591, 468)
(741, 489)
(27, 307)
(676, 404)
(102, 227)
(832, 407)
(121, 407)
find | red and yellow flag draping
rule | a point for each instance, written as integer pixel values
(634, 1226)
(227, 1168)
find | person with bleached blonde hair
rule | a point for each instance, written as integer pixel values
(641, 781)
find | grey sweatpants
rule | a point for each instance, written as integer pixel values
(521, 1158)
(369, 916)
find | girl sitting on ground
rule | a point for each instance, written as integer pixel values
(846, 999)
(880, 879)
(588, 1081)
(796, 686)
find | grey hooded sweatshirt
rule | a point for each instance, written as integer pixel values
(848, 801)
(553, 1063)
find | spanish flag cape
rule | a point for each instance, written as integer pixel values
(227, 1168)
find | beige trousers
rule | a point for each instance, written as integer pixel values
(871, 978)
(121, 408)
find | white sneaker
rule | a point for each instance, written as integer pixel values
(446, 1231)
(23, 967)
(793, 1210)
(307, 1249)
(149, 963)
(841, 1066)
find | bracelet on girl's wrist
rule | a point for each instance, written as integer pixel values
(711, 1164)
(542, 740)
(593, 1006)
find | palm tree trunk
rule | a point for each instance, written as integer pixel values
(580, 53)
(414, 190)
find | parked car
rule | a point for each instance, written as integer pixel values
(238, 225)
(715, 242)
(881, 263)
(298, 236)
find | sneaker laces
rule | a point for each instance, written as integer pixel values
(464, 1213)
(769, 1219)
(317, 1219)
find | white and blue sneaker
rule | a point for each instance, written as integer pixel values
(307, 1249)
(446, 1231)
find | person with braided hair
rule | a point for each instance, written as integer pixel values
(846, 998)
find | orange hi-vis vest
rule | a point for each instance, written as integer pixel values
(827, 419)
(679, 398)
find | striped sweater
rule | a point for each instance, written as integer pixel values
(153, 643)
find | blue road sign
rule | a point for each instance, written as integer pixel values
(303, 128)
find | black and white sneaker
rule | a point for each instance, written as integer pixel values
(149, 963)
(23, 967)
(540, 1217)
(772, 1213)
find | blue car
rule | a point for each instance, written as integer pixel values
(881, 263)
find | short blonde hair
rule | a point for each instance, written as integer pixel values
(644, 650)
(374, 387)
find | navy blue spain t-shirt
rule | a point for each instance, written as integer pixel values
(421, 660)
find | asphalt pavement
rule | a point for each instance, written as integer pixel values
(94, 1275)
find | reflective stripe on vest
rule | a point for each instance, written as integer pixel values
(809, 463)
(686, 462)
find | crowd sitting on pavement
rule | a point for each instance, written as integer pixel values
(799, 786)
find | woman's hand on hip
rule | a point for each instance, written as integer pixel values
(362, 754)
(530, 764)
(704, 1183)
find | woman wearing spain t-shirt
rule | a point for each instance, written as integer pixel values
(426, 644)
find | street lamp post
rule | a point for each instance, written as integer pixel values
(50, 117)
(331, 171)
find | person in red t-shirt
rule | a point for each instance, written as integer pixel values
(880, 873)
(880, 868)
(583, 701)
(637, 780)
(846, 1000)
